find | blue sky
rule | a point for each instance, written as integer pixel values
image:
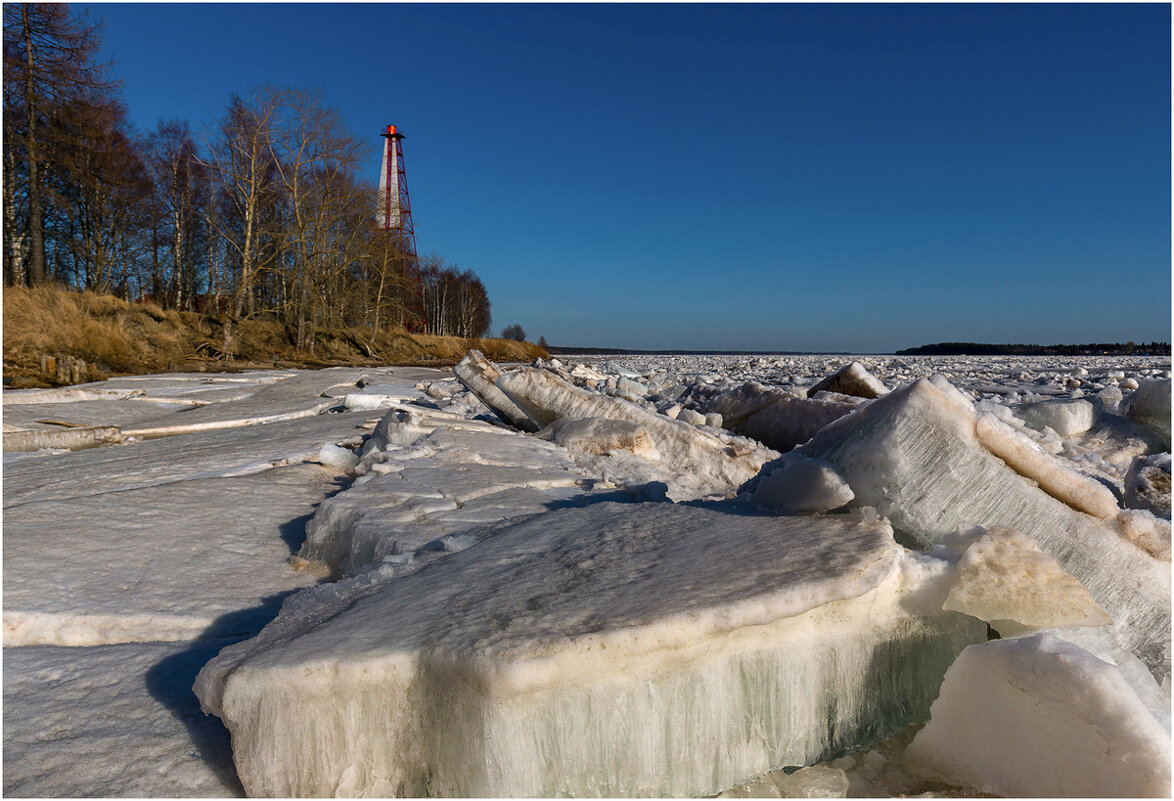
(773, 177)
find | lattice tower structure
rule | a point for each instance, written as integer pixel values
(394, 215)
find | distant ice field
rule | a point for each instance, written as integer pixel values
(1006, 378)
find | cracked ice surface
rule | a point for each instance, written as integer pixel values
(185, 539)
(207, 454)
(447, 482)
(614, 649)
(157, 563)
(302, 395)
(112, 720)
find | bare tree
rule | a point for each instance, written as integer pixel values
(514, 331)
(48, 65)
(180, 180)
(243, 164)
(101, 193)
(314, 157)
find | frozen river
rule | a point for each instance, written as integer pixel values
(679, 575)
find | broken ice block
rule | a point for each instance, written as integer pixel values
(1150, 406)
(738, 404)
(1067, 417)
(610, 650)
(777, 419)
(700, 463)
(1006, 580)
(791, 421)
(478, 374)
(342, 459)
(1147, 484)
(598, 435)
(72, 439)
(1041, 717)
(799, 485)
(915, 455)
(852, 379)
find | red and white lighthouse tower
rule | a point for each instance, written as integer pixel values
(394, 215)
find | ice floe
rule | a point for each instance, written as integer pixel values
(1042, 717)
(613, 649)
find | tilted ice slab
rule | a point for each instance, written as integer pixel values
(923, 457)
(789, 421)
(615, 649)
(1041, 717)
(696, 462)
(478, 374)
(207, 454)
(161, 563)
(778, 419)
(447, 482)
(116, 721)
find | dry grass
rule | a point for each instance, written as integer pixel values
(116, 337)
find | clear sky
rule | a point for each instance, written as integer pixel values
(771, 177)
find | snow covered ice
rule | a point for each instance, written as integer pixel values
(448, 575)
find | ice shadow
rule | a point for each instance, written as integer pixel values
(652, 492)
(657, 492)
(293, 532)
(170, 683)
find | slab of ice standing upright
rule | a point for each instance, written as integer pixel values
(925, 459)
(614, 650)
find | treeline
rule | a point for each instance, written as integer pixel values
(1091, 349)
(264, 216)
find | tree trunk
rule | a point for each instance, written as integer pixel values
(14, 263)
(36, 272)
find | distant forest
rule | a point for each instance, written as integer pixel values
(261, 216)
(1092, 349)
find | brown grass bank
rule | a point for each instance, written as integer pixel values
(115, 337)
